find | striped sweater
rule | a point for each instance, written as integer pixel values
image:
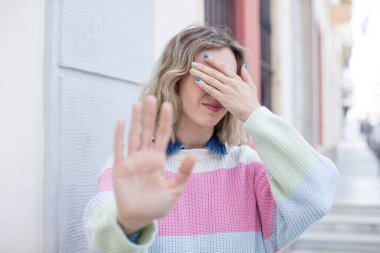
(239, 200)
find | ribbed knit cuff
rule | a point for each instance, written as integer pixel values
(109, 237)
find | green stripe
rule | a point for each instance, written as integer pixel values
(286, 155)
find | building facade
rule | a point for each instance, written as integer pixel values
(308, 69)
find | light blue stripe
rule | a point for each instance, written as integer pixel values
(311, 201)
(237, 242)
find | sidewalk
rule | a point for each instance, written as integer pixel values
(358, 167)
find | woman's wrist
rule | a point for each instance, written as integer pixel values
(127, 230)
(250, 110)
(130, 226)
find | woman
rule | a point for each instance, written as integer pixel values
(189, 186)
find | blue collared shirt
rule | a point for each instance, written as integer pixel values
(214, 145)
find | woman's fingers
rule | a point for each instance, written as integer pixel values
(164, 127)
(148, 118)
(210, 80)
(217, 94)
(245, 75)
(219, 66)
(183, 173)
(118, 141)
(209, 71)
(135, 129)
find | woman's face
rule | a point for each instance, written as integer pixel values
(200, 109)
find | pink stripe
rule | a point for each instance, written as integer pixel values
(105, 181)
(224, 200)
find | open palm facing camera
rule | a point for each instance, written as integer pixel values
(142, 191)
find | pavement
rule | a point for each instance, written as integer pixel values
(358, 167)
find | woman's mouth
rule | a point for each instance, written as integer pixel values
(213, 107)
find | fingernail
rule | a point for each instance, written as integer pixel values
(193, 64)
(246, 66)
(192, 70)
(197, 79)
(205, 55)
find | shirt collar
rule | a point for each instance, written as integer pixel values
(214, 145)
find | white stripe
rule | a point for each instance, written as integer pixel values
(208, 161)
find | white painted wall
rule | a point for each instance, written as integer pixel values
(97, 52)
(21, 135)
(282, 59)
(171, 16)
(331, 76)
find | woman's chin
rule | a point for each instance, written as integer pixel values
(209, 123)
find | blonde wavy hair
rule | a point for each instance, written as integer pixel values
(175, 63)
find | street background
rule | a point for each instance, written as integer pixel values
(69, 69)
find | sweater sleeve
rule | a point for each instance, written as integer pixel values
(103, 232)
(301, 181)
